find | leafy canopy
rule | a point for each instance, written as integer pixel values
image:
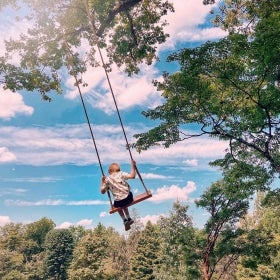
(229, 88)
(65, 34)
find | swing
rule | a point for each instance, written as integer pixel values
(140, 197)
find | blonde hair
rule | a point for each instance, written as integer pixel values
(114, 167)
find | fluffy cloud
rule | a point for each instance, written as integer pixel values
(152, 218)
(154, 176)
(173, 193)
(86, 223)
(11, 104)
(65, 225)
(6, 155)
(4, 220)
(103, 214)
(191, 162)
(71, 144)
(183, 26)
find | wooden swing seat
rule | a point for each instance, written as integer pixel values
(136, 199)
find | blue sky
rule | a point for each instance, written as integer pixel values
(48, 165)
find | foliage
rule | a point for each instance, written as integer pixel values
(230, 89)
(170, 249)
(35, 234)
(177, 245)
(225, 208)
(14, 275)
(37, 231)
(145, 258)
(59, 245)
(10, 261)
(12, 236)
(89, 255)
(129, 32)
(78, 232)
(116, 263)
(261, 255)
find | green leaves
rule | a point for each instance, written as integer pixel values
(59, 246)
(228, 88)
(62, 30)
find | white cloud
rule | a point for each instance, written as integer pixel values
(53, 202)
(85, 202)
(98, 93)
(202, 148)
(152, 218)
(201, 35)
(11, 104)
(72, 144)
(4, 220)
(191, 162)
(154, 176)
(9, 191)
(6, 155)
(33, 179)
(184, 24)
(64, 225)
(86, 223)
(173, 193)
(103, 214)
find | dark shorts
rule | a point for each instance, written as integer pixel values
(125, 201)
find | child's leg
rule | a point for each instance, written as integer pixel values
(130, 221)
(125, 220)
(121, 213)
(126, 212)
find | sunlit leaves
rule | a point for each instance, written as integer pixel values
(229, 88)
(59, 31)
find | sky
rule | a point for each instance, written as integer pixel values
(48, 164)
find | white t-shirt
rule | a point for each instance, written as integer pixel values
(116, 183)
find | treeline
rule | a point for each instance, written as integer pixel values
(227, 247)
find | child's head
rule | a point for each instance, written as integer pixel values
(114, 167)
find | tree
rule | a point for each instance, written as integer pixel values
(229, 89)
(12, 237)
(176, 245)
(117, 262)
(90, 255)
(10, 262)
(35, 235)
(145, 258)
(261, 256)
(59, 245)
(14, 275)
(78, 233)
(225, 208)
(129, 31)
(38, 230)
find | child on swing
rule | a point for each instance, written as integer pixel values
(116, 183)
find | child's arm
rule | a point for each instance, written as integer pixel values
(103, 188)
(133, 170)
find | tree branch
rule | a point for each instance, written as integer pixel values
(117, 9)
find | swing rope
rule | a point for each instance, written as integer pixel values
(148, 193)
(77, 83)
(119, 115)
(92, 136)
(111, 90)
